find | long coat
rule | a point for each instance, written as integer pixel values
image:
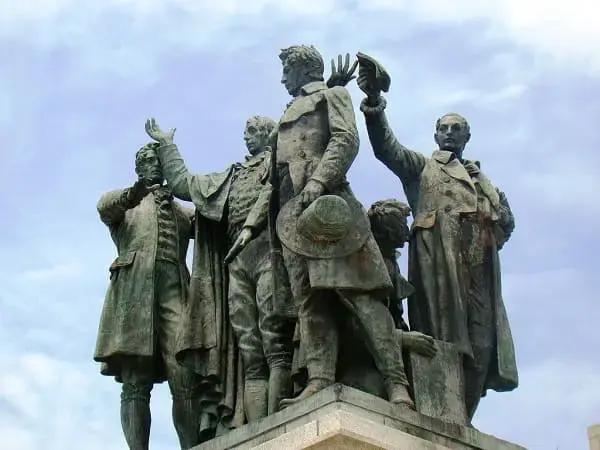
(127, 321)
(317, 139)
(439, 190)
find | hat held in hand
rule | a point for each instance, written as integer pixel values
(330, 227)
(378, 76)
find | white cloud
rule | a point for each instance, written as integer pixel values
(51, 273)
(55, 404)
(567, 31)
(561, 182)
(568, 395)
(51, 306)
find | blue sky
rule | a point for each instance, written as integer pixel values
(79, 78)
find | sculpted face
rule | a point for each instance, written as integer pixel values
(253, 138)
(147, 165)
(293, 78)
(452, 133)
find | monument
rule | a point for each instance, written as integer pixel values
(290, 332)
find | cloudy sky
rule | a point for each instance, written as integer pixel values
(80, 77)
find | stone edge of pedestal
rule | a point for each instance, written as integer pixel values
(593, 432)
(368, 406)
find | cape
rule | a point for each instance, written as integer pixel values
(205, 341)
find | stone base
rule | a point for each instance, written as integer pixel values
(594, 436)
(343, 418)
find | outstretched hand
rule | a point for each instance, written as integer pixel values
(154, 131)
(342, 74)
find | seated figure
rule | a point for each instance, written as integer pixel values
(356, 368)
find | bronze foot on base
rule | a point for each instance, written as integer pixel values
(311, 388)
(398, 395)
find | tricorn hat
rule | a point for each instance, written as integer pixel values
(330, 227)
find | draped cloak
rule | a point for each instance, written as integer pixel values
(205, 342)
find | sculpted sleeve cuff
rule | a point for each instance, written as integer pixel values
(175, 171)
(369, 110)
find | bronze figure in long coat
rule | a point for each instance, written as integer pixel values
(460, 222)
(145, 301)
(315, 145)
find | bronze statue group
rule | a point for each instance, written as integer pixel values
(294, 285)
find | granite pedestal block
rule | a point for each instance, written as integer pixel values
(340, 417)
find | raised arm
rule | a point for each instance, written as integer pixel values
(343, 143)
(404, 163)
(175, 171)
(373, 79)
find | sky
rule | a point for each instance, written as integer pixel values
(80, 77)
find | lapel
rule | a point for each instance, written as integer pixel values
(489, 190)
(453, 167)
(255, 160)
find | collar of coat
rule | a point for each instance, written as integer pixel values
(309, 88)
(252, 160)
(313, 87)
(473, 168)
(444, 157)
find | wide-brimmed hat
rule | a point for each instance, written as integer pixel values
(330, 227)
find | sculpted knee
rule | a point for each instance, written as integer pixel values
(134, 390)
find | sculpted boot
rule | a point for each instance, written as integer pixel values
(186, 418)
(398, 394)
(280, 387)
(135, 415)
(255, 399)
(320, 338)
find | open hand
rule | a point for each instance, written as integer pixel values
(341, 75)
(154, 131)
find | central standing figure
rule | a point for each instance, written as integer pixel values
(329, 252)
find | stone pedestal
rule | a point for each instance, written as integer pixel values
(594, 436)
(344, 418)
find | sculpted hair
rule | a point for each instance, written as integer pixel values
(388, 220)
(307, 56)
(456, 116)
(150, 146)
(264, 127)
